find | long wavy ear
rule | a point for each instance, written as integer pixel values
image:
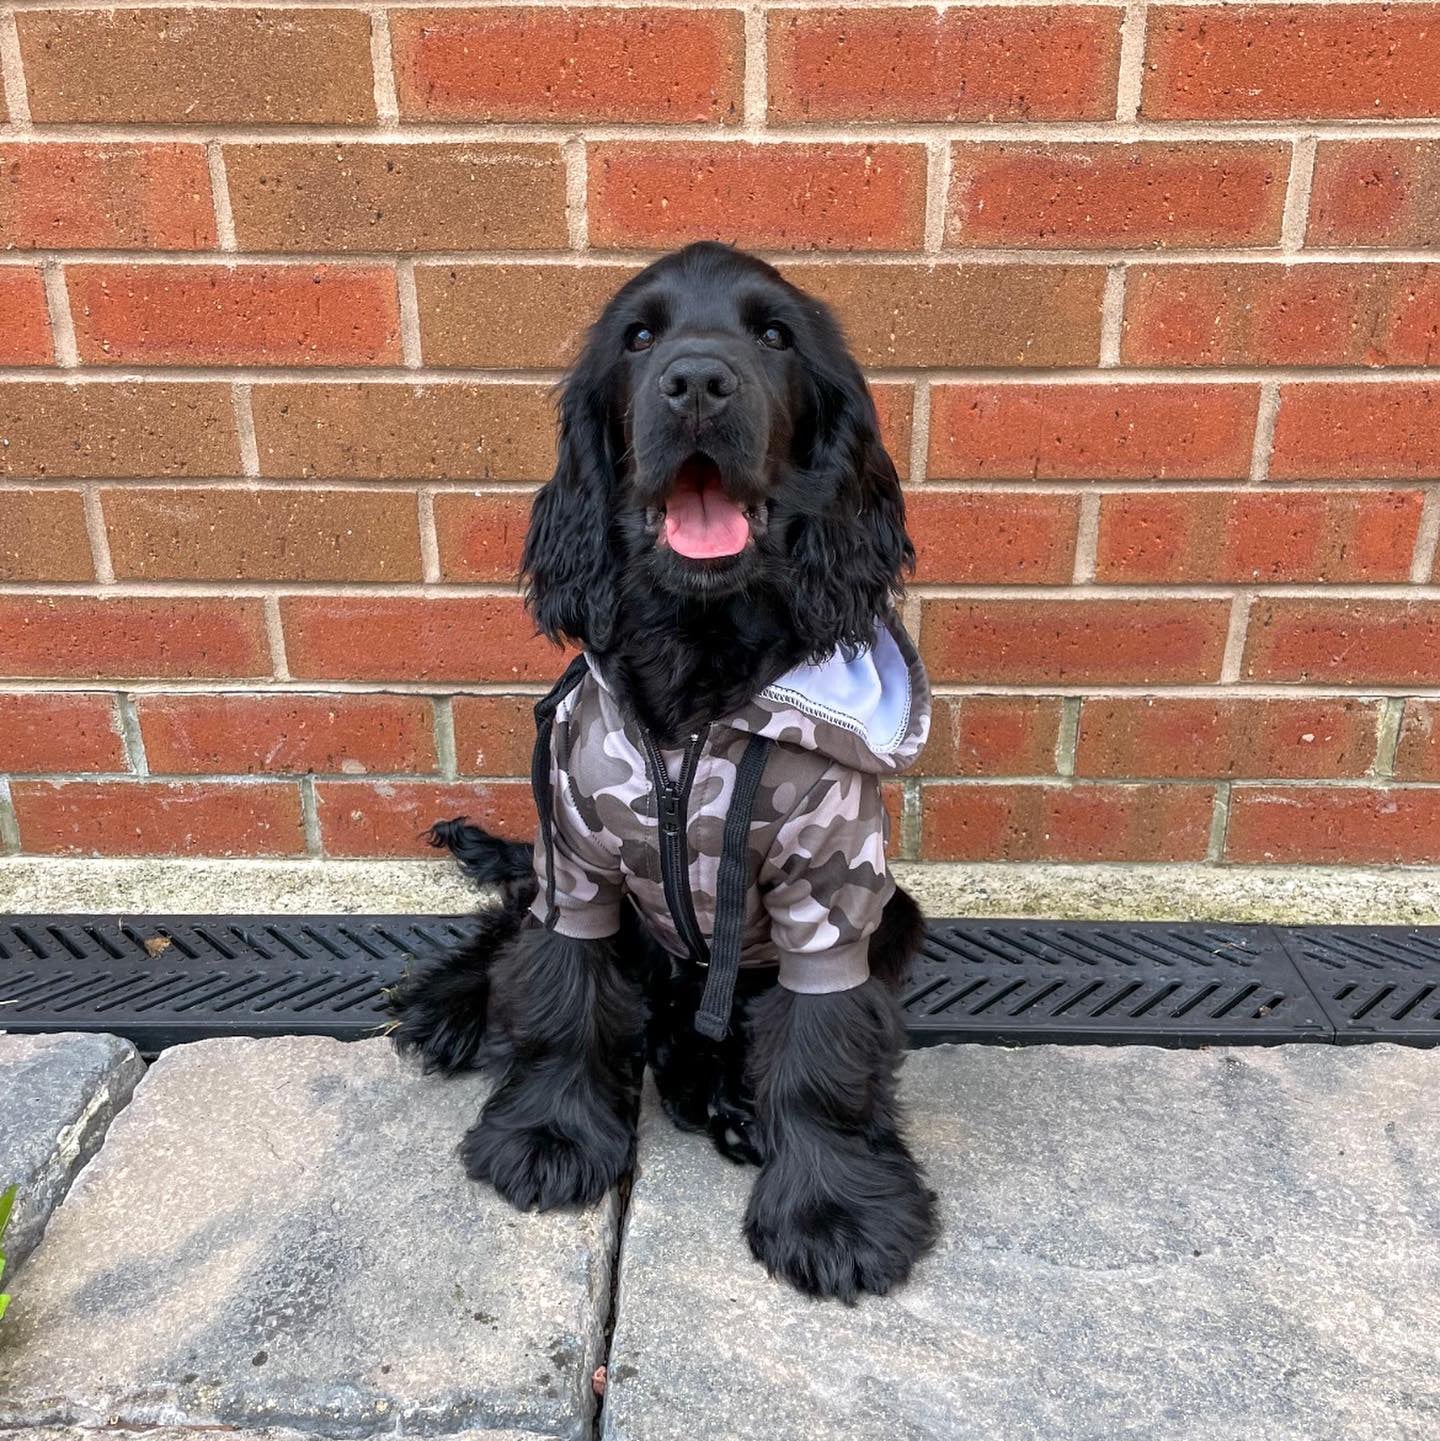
(569, 562)
(849, 546)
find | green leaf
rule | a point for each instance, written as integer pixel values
(4, 1302)
(7, 1204)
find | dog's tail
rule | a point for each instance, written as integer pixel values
(488, 860)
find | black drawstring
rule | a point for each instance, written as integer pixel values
(540, 788)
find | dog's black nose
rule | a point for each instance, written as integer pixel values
(699, 385)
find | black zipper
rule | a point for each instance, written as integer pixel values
(671, 800)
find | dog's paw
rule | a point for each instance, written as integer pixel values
(537, 1167)
(735, 1131)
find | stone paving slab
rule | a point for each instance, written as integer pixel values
(1228, 1245)
(58, 1094)
(278, 1235)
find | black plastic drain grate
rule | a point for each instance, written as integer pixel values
(162, 980)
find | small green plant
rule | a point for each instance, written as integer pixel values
(7, 1204)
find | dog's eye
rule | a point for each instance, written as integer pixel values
(775, 337)
(639, 337)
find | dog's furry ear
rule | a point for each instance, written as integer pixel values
(569, 562)
(850, 548)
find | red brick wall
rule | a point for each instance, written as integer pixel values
(1146, 292)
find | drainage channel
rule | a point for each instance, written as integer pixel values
(164, 980)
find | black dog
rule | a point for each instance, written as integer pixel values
(722, 513)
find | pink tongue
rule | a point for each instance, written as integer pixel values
(702, 522)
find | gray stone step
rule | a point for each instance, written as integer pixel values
(58, 1094)
(278, 1235)
(1237, 1245)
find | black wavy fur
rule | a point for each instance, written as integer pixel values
(803, 1085)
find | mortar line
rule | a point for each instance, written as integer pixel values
(9, 822)
(1112, 316)
(275, 637)
(1219, 824)
(220, 198)
(1427, 538)
(12, 74)
(1297, 194)
(1387, 737)
(1087, 539)
(245, 430)
(443, 723)
(1266, 414)
(919, 432)
(577, 199)
(911, 819)
(310, 816)
(1233, 659)
(756, 83)
(131, 734)
(1131, 80)
(387, 106)
(1067, 740)
(429, 537)
(97, 534)
(937, 195)
(57, 306)
(408, 299)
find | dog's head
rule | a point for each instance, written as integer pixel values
(716, 437)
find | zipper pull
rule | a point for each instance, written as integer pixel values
(670, 811)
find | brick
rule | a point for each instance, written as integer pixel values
(1091, 432)
(108, 196)
(1375, 192)
(991, 735)
(769, 197)
(1344, 642)
(235, 315)
(655, 66)
(456, 639)
(43, 536)
(1111, 195)
(1357, 432)
(76, 731)
(1274, 537)
(400, 431)
(237, 734)
(959, 64)
(1417, 757)
(158, 818)
(131, 637)
(991, 537)
(390, 818)
(394, 196)
(198, 65)
(199, 533)
(1223, 739)
(895, 408)
(1065, 823)
(25, 336)
(1281, 62)
(1343, 825)
(963, 315)
(481, 535)
(1282, 315)
(1069, 642)
(507, 317)
(127, 430)
(494, 734)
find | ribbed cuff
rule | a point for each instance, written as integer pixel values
(587, 923)
(841, 968)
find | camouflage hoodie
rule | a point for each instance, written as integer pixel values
(817, 830)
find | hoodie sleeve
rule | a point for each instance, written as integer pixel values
(825, 884)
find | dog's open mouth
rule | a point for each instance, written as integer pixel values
(700, 521)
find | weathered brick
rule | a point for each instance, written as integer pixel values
(1172, 736)
(1110, 195)
(1343, 642)
(1092, 432)
(494, 734)
(73, 731)
(769, 197)
(399, 431)
(130, 429)
(1344, 825)
(240, 734)
(1417, 757)
(200, 533)
(1358, 432)
(983, 537)
(159, 818)
(394, 196)
(235, 315)
(1184, 537)
(25, 334)
(389, 818)
(959, 64)
(1065, 823)
(198, 65)
(105, 196)
(481, 535)
(1375, 192)
(648, 65)
(963, 315)
(131, 637)
(895, 407)
(1068, 641)
(991, 735)
(43, 536)
(472, 638)
(1282, 315)
(1278, 62)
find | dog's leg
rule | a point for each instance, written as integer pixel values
(559, 1128)
(840, 1205)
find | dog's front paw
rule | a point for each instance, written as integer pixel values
(859, 1228)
